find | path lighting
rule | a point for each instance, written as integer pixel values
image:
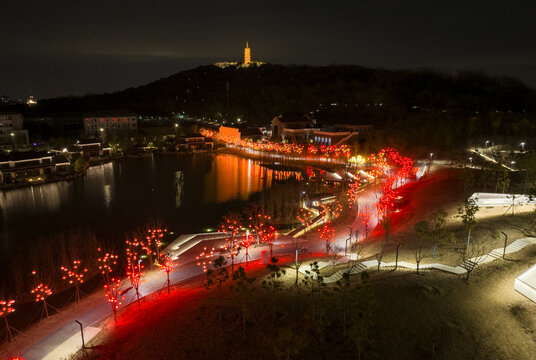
(522, 146)
(487, 142)
(176, 126)
(471, 160)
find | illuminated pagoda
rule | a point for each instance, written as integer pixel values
(247, 54)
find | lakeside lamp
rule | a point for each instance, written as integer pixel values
(522, 146)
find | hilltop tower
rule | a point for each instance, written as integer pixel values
(247, 55)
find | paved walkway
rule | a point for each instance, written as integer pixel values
(458, 270)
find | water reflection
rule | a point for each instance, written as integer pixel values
(46, 197)
(189, 192)
(233, 177)
(179, 182)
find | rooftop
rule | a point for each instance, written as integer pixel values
(109, 113)
(295, 118)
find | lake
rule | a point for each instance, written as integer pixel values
(190, 192)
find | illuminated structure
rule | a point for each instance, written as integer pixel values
(104, 123)
(11, 131)
(247, 54)
(31, 101)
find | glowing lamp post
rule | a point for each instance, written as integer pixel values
(522, 146)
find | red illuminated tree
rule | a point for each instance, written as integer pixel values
(365, 220)
(327, 232)
(74, 274)
(41, 291)
(107, 263)
(262, 229)
(166, 265)
(331, 211)
(6, 308)
(150, 237)
(268, 237)
(205, 258)
(353, 194)
(305, 217)
(230, 226)
(113, 294)
(134, 266)
(257, 225)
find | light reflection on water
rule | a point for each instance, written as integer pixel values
(233, 177)
(114, 198)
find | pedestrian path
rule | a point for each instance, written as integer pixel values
(458, 270)
(72, 344)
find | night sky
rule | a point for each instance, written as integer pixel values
(66, 47)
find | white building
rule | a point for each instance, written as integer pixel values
(11, 131)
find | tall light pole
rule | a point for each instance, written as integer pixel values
(176, 127)
(102, 133)
(13, 140)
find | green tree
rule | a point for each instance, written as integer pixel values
(80, 164)
(219, 275)
(274, 280)
(467, 214)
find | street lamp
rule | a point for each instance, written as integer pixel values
(13, 139)
(487, 142)
(522, 146)
(470, 160)
(176, 126)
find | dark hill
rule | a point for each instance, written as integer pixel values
(469, 103)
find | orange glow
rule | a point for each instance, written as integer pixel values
(234, 177)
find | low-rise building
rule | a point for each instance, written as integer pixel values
(91, 148)
(292, 126)
(104, 123)
(195, 142)
(11, 129)
(15, 165)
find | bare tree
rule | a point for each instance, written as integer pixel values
(336, 254)
(473, 254)
(381, 252)
(420, 242)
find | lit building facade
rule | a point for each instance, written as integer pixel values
(11, 131)
(108, 123)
